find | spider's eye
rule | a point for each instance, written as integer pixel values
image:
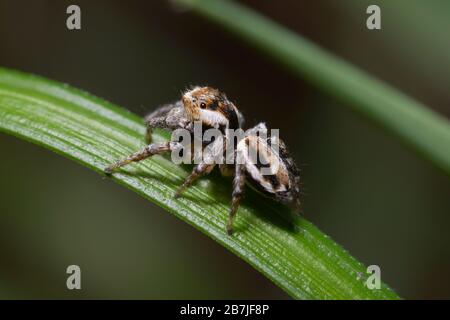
(203, 105)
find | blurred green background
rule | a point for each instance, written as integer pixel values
(369, 193)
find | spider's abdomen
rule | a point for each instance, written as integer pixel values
(265, 169)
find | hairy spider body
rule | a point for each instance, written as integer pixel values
(212, 109)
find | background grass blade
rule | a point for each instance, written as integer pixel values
(290, 251)
(415, 124)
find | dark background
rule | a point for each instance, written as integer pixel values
(377, 198)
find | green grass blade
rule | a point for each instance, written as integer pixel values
(425, 131)
(291, 252)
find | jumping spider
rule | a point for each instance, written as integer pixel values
(212, 109)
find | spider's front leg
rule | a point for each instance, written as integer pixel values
(148, 151)
(238, 192)
(170, 117)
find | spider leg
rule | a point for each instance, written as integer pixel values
(198, 171)
(159, 118)
(238, 192)
(226, 170)
(148, 151)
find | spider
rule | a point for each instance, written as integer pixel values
(212, 109)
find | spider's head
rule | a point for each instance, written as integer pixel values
(211, 107)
